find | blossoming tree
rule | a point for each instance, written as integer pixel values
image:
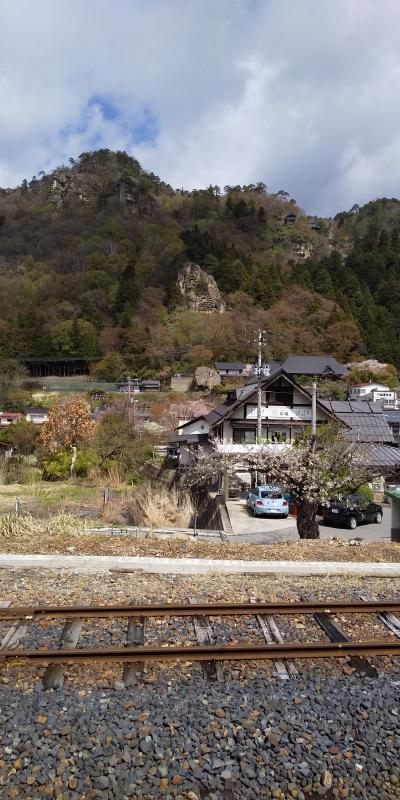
(315, 470)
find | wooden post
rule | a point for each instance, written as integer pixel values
(106, 496)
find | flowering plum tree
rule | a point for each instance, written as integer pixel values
(315, 470)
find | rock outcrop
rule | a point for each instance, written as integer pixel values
(199, 290)
(206, 378)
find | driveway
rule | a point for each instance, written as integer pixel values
(267, 530)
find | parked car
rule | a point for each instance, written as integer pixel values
(351, 510)
(267, 500)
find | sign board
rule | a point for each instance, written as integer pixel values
(280, 413)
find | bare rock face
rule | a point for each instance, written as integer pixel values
(199, 290)
(206, 378)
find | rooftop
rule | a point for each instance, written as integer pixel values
(313, 365)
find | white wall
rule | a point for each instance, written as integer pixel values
(198, 426)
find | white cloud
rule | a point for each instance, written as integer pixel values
(304, 95)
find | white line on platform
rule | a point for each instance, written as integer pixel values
(193, 566)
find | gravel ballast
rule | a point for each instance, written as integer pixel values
(326, 737)
(330, 732)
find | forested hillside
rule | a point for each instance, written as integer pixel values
(89, 258)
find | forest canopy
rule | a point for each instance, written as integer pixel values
(89, 258)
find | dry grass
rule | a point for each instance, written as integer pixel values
(156, 506)
(28, 531)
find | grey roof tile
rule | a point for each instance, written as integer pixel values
(312, 365)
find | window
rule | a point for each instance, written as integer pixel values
(280, 397)
(244, 436)
(271, 495)
(278, 437)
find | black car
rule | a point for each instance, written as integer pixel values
(351, 510)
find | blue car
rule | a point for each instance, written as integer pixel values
(267, 500)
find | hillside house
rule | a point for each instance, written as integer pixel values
(323, 367)
(9, 417)
(375, 393)
(135, 385)
(37, 415)
(230, 369)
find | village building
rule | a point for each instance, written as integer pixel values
(37, 415)
(286, 410)
(324, 367)
(231, 369)
(375, 392)
(9, 417)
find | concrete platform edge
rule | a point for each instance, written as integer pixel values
(194, 566)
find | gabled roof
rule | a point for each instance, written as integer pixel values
(313, 365)
(245, 392)
(273, 368)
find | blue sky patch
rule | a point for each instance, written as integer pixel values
(147, 130)
(108, 109)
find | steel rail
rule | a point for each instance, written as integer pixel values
(199, 609)
(237, 652)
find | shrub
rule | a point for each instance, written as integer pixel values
(56, 467)
(20, 469)
(366, 490)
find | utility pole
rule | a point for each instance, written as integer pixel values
(314, 409)
(129, 398)
(259, 363)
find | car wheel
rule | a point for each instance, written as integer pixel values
(378, 518)
(352, 523)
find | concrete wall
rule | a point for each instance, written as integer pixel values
(211, 513)
(182, 384)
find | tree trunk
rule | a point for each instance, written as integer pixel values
(72, 471)
(307, 525)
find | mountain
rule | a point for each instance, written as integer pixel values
(90, 256)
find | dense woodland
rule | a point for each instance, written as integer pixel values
(89, 257)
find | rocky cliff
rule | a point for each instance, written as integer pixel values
(199, 290)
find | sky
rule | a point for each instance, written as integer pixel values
(303, 95)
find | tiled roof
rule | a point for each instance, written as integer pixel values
(381, 456)
(229, 365)
(392, 415)
(313, 365)
(366, 420)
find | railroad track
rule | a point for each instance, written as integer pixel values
(16, 623)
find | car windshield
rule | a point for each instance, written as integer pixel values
(271, 495)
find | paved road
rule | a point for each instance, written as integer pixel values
(266, 530)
